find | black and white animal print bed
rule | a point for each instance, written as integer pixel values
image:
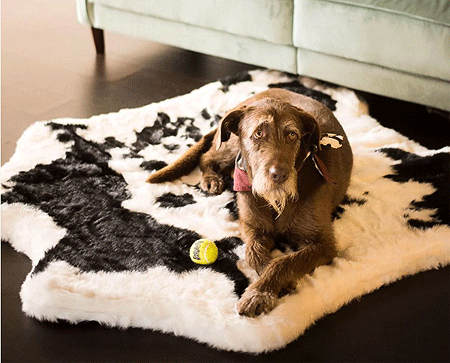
(106, 246)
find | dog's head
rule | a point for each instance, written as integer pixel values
(274, 138)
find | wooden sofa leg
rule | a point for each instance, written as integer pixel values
(99, 40)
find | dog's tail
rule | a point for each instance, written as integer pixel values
(186, 163)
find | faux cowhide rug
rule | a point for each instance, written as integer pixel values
(106, 246)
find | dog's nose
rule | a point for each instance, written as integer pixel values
(278, 174)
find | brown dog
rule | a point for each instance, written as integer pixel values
(288, 185)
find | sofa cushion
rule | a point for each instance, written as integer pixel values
(209, 41)
(435, 11)
(269, 20)
(374, 79)
(408, 36)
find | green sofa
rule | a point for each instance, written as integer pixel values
(399, 49)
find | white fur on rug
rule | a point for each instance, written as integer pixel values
(106, 246)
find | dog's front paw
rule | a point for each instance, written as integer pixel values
(212, 184)
(254, 303)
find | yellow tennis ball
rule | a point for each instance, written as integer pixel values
(203, 252)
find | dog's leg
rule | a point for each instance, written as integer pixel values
(261, 296)
(257, 230)
(257, 248)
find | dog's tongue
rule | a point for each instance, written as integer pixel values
(241, 183)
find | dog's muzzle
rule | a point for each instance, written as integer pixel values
(278, 174)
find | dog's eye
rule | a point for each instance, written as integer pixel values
(258, 134)
(292, 135)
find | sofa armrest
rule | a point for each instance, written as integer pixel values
(84, 9)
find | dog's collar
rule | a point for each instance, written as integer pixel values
(242, 184)
(319, 165)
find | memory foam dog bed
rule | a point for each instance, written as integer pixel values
(108, 247)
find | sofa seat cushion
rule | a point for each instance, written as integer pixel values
(429, 10)
(269, 20)
(209, 41)
(408, 36)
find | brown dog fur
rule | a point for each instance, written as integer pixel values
(274, 131)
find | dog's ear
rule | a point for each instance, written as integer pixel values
(310, 136)
(310, 129)
(229, 124)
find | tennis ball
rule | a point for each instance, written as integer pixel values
(204, 252)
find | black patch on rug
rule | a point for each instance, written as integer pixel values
(229, 81)
(83, 195)
(297, 87)
(170, 200)
(111, 142)
(152, 135)
(164, 127)
(171, 147)
(194, 133)
(414, 121)
(205, 114)
(132, 155)
(71, 127)
(151, 165)
(232, 208)
(347, 201)
(434, 170)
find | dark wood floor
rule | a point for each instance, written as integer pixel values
(50, 70)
